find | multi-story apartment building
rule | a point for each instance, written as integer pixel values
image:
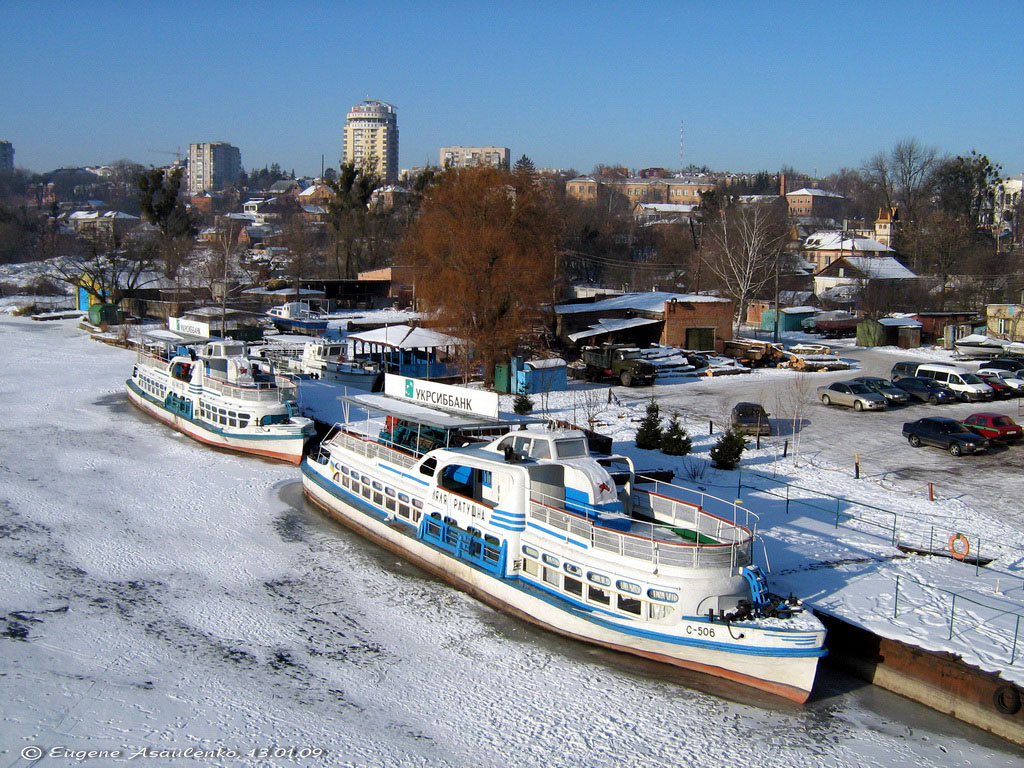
(371, 132)
(640, 190)
(6, 156)
(212, 165)
(819, 203)
(469, 157)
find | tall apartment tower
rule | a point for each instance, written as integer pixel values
(371, 130)
(212, 165)
(6, 156)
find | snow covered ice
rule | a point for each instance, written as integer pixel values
(157, 593)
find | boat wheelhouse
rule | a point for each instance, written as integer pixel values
(533, 524)
(220, 397)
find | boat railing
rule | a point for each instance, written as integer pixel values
(370, 449)
(153, 359)
(657, 543)
(260, 391)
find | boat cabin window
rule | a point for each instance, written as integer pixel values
(572, 586)
(428, 467)
(598, 595)
(571, 449)
(629, 604)
(541, 449)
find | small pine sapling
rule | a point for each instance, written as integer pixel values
(727, 451)
(522, 404)
(648, 434)
(675, 441)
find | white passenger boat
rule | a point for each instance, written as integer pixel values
(533, 524)
(324, 359)
(220, 397)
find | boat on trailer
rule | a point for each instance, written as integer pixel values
(219, 396)
(533, 524)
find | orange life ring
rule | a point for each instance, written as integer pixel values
(959, 539)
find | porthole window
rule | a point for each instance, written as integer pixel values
(575, 570)
(550, 560)
(598, 578)
(628, 586)
(663, 596)
(530, 551)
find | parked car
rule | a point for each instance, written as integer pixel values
(902, 370)
(965, 385)
(751, 419)
(1005, 363)
(893, 395)
(998, 386)
(1007, 378)
(925, 390)
(853, 394)
(994, 426)
(944, 433)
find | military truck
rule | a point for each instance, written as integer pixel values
(619, 362)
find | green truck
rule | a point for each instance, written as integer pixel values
(619, 362)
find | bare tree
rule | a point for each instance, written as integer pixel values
(743, 245)
(904, 176)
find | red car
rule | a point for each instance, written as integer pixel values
(994, 426)
(1001, 389)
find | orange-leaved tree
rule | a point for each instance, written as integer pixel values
(484, 253)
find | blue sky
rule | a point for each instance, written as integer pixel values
(815, 85)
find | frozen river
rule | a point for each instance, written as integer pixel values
(161, 595)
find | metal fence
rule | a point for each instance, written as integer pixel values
(979, 616)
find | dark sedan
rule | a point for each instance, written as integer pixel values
(949, 434)
(925, 390)
(893, 395)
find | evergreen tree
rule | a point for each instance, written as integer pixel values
(648, 434)
(524, 165)
(522, 404)
(675, 441)
(728, 450)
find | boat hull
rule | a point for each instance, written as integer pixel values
(281, 447)
(790, 677)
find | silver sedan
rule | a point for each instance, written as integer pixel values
(852, 394)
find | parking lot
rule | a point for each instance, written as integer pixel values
(835, 436)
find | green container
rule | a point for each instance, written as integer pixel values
(105, 313)
(502, 377)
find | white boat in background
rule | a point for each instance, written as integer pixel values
(222, 398)
(533, 524)
(977, 345)
(323, 359)
(298, 316)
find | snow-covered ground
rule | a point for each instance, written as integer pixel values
(160, 594)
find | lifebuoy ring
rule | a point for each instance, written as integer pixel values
(959, 546)
(1007, 699)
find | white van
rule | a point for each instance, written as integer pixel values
(965, 385)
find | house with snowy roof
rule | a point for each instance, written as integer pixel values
(845, 277)
(823, 248)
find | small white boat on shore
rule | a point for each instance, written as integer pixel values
(220, 397)
(976, 345)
